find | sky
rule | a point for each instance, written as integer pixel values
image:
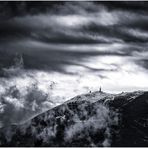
(70, 48)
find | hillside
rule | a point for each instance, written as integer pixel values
(94, 119)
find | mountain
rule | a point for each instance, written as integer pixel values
(93, 119)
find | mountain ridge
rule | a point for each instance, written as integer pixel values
(85, 121)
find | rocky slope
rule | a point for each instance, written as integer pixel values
(94, 119)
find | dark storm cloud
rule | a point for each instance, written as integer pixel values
(143, 62)
(72, 23)
(55, 58)
(22, 7)
(92, 25)
(116, 32)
